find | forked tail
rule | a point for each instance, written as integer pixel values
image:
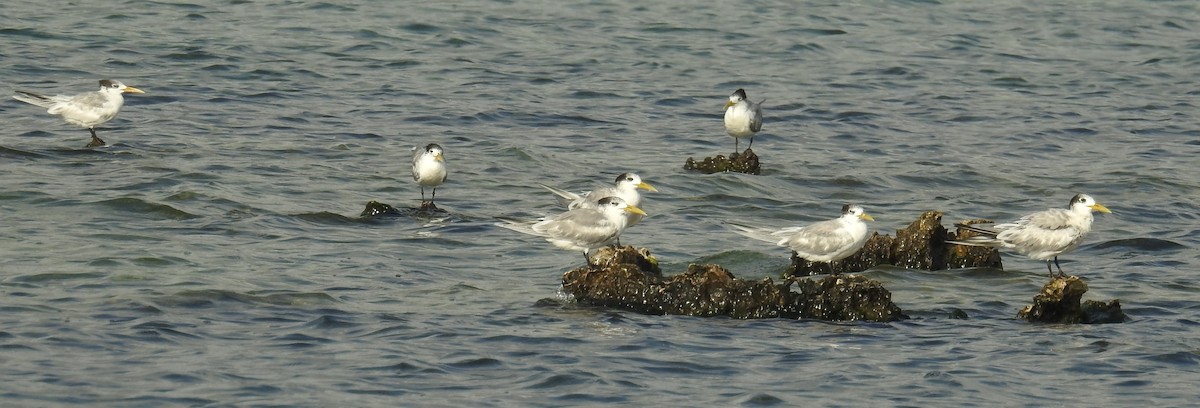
(33, 99)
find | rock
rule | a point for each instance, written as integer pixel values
(746, 162)
(957, 314)
(964, 256)
(375, 208)
(1100, 312)
(848, 297)
(629, 278)
(1058, 302)
(920, 245)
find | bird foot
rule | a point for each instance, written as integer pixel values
(96, 142)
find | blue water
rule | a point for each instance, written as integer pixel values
(213, 254)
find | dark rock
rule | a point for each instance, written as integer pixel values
(964, 256)
(848, 297)
(958, 314)
(375, 208)
(1100, 312)
(629, 278)
(746, 162)
(920, 245)
(1058, 302)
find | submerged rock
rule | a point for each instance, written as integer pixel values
(920, 245)
(1058, 302)
(629, 278)
(375, 208)
(745, 162)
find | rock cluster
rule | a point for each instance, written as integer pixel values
(745, 162)
(1058, 302)
(629, 278)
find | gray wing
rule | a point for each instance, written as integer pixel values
(565, 198)
(1042, 232)
(416, 159)
(1052, 219)
(585, 226)
(756, 116)
(589, 200)
(821, 239)
(86, 100)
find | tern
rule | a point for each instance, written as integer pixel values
(625, 186)
(580, 229)
(742, 117)
(429, 169)
(1043, 235)
(826, 241)
(87, 109)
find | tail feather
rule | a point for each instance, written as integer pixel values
(522, 227)
(753, 232)
(977, 230)
(976, 241)
(986, 237)
(566, 198)
(33, 99)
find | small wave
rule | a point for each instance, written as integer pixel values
(9, 152)
(211, 297)
(55, 277)
(326, 218)
(139, 206)
(1144, 244)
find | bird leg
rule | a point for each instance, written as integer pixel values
(1060, 271)
(587, 259)
(751, 143)
(96, 141)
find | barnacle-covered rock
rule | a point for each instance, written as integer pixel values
(629, 278)
(745, 162)
(1058, 302)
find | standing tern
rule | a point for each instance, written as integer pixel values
(626, 186)
(826, 241)
(87, 109)
(581, 229)
(742, 117)
(429, 169)
(1043, 235)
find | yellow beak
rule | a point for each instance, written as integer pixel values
(728, 104)
(867, 217)
(130, 89)
(646, 186)
(1100, 208)
(635, 210)
(438, 157)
